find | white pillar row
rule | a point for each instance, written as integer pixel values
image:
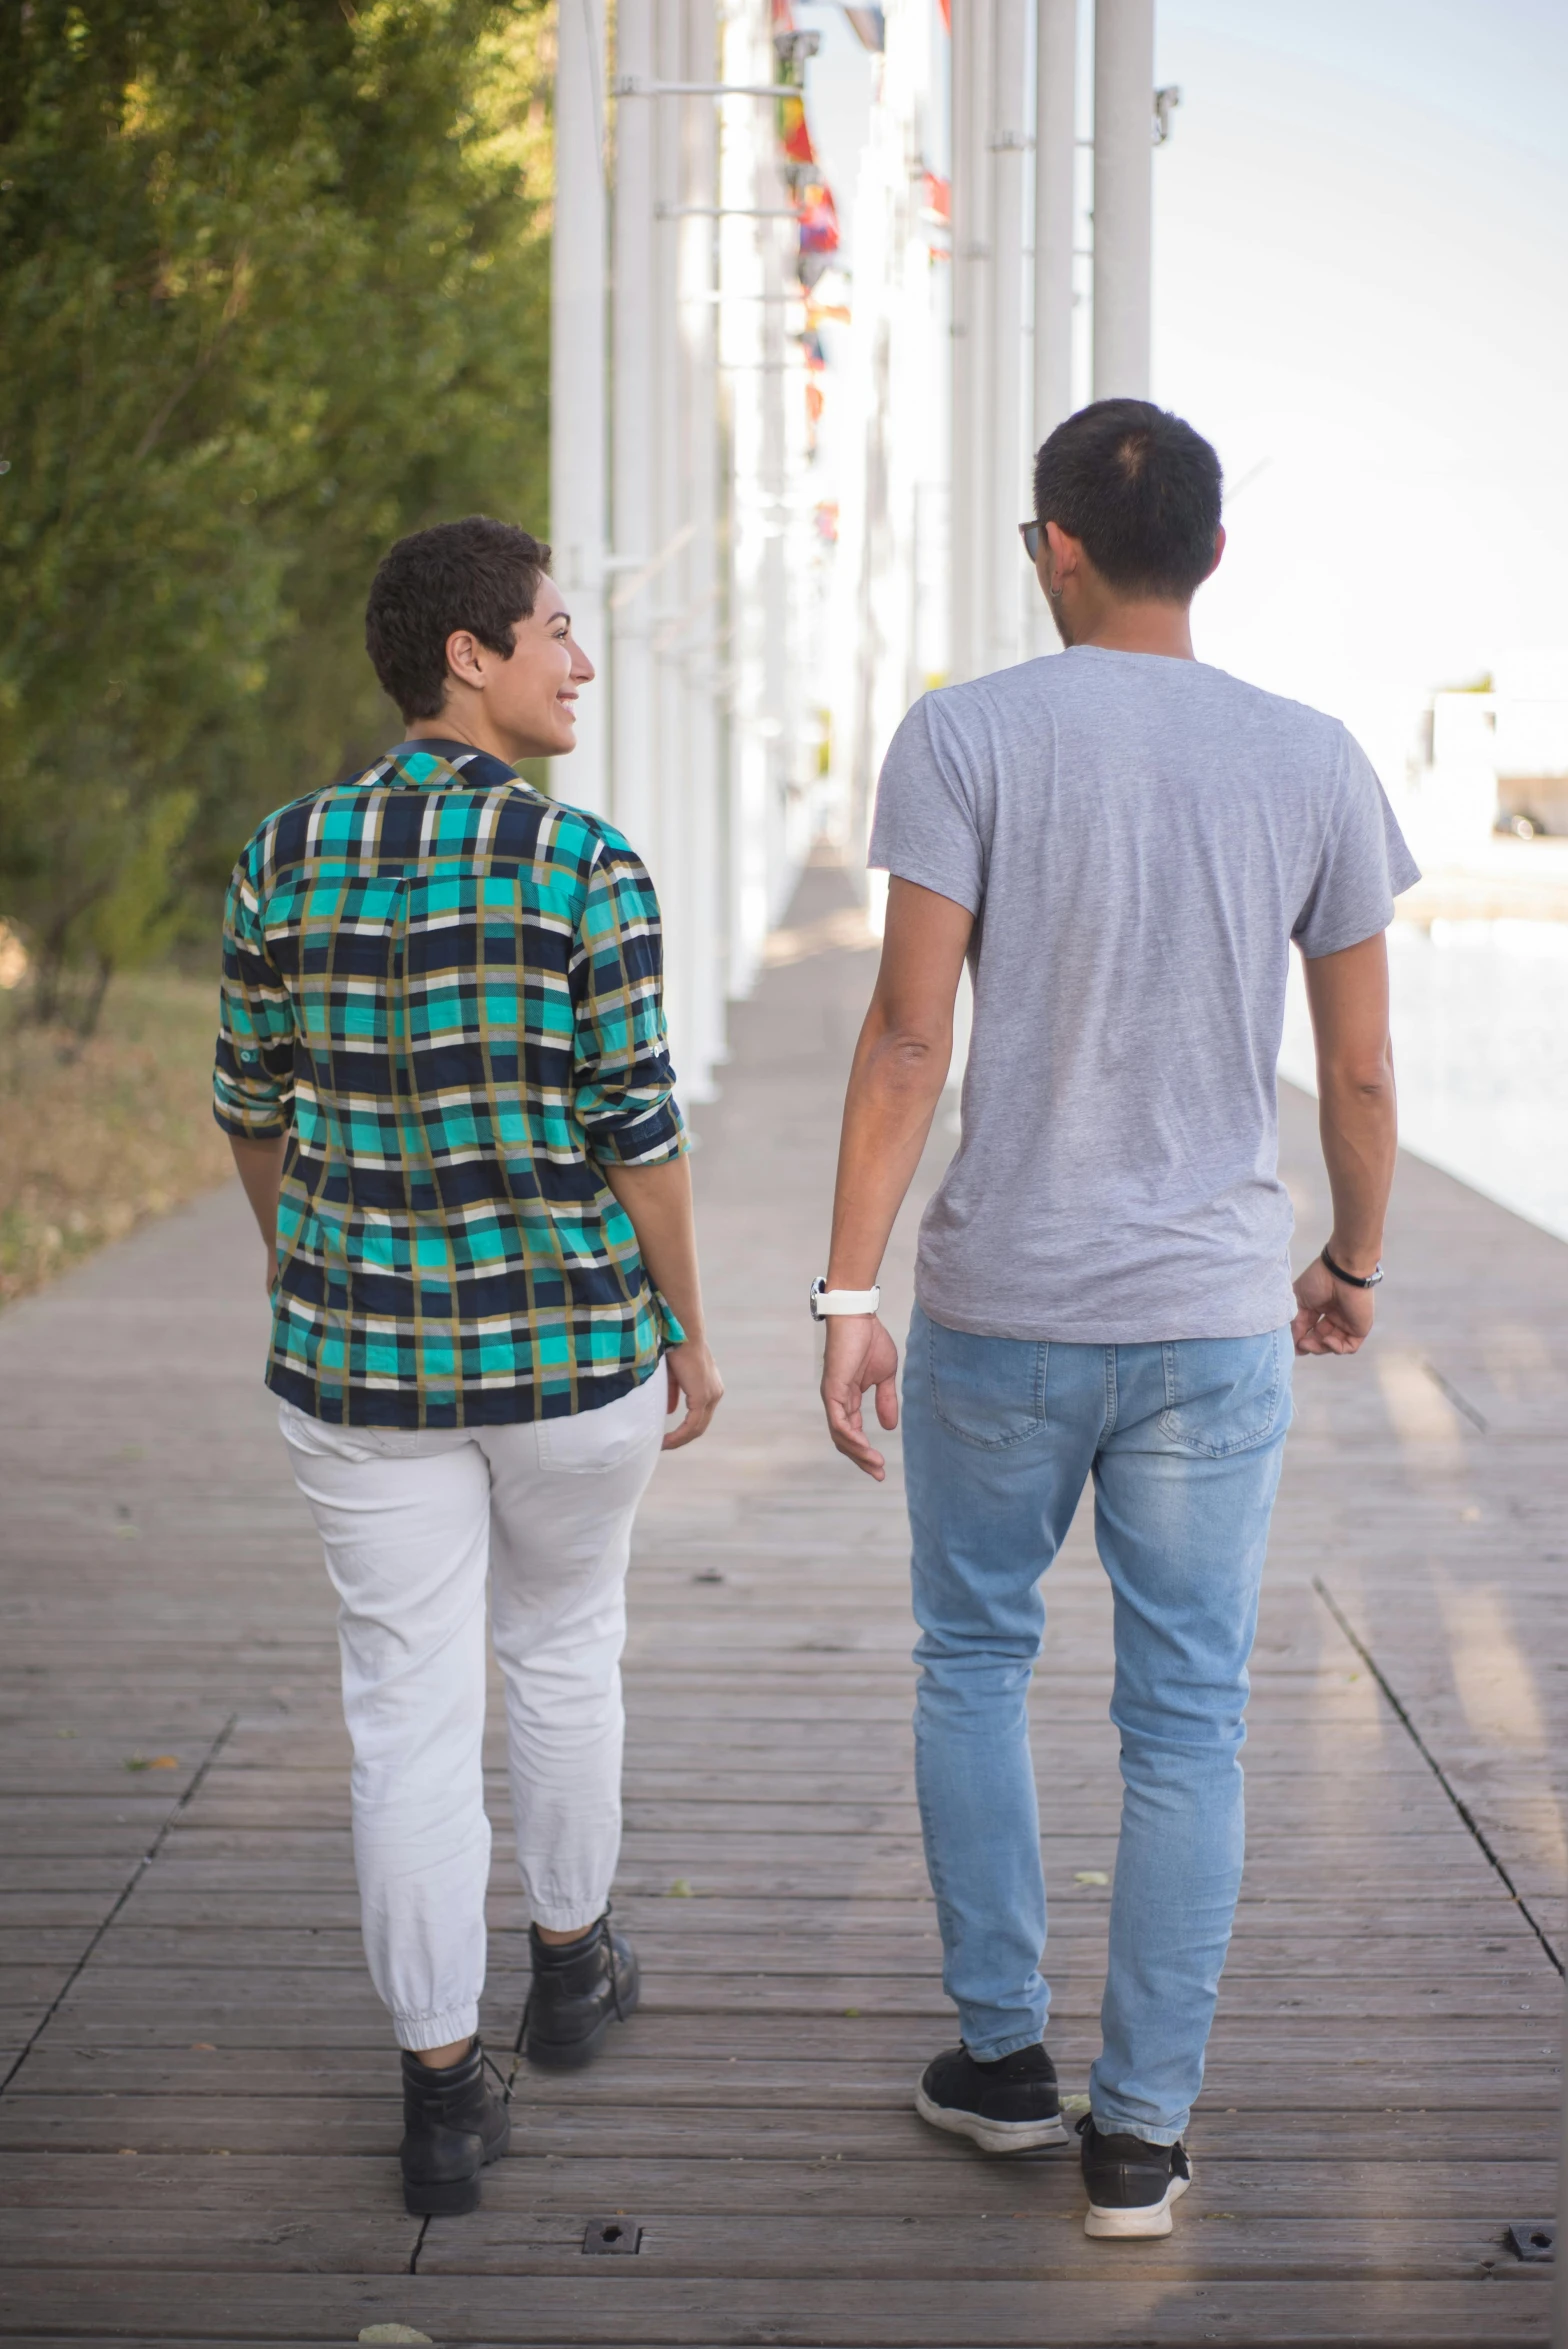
(578, 444)
(1123, 195)
(702, 585)
(1011, 388)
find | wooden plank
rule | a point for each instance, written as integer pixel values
(1319, 2188)
(782, 2128)
(278, 2237)
(847, 2039)
(1440, 1966)
(1286, 1921)
(1042, 2240)
(57, 2068)
(614, 2309)
(130, 1977)
(32, 1874)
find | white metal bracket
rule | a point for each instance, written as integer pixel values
(631, 85)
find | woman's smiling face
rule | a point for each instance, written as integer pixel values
(526, 700)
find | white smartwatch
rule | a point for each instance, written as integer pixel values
(825, 1302)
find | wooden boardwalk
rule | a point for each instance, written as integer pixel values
(199, 2128)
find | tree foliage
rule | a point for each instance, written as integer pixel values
(273, 289)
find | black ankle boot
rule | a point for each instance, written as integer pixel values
(453, 2123)
(580, 1988)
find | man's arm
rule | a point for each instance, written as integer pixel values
(259, 1166)
(1347, 994)
(900, 1067)
(657, 1201)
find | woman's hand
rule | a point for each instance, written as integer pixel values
(694, 1378)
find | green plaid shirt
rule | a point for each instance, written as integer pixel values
(445, 991)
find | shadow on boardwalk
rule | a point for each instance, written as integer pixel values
(199, 2129)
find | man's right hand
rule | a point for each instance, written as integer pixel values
(860, 1354)
(1332, 1319)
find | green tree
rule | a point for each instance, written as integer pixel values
(273, 289)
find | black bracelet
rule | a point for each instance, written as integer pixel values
(1350, 1279)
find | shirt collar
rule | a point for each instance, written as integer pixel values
(429, 760)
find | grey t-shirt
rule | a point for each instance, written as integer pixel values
(1140, 839)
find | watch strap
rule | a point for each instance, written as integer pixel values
(826, 1302)
(1352, 1280)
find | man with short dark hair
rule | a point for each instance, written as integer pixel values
(442, 1068)
(1123, 843)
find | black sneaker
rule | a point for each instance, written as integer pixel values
(1131, 2183)
(1008, 2106)
(579, 1989)
(453, 2125)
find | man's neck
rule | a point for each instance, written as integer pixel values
(1146, 627)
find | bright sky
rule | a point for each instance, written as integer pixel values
(1361, 273)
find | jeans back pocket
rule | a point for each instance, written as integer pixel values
(1224, 1395)
(988, 1391)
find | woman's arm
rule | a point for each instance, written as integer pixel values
(658, 1204)
(259, 1166)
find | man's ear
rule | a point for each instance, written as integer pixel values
(1219, 549)
(1066, 552)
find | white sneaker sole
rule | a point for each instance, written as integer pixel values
(990, 2136)
(1127, 2226)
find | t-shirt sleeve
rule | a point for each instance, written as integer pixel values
(925, 828)
(1363, 866)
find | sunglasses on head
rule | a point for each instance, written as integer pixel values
(1029, 532)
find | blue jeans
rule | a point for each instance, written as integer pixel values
(1184, 1442)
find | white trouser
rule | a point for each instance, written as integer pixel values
(410, 1524)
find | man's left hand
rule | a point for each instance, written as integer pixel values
(1330, 1318)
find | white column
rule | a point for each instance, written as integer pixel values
(633, 797)
(660, 604)
(578, 515)
(1123, 195)
(1056, 74)
(742, 182)
(696, 642)
(1004, 431)
(781, 433)
(972, 29)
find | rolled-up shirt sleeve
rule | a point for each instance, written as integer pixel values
(253, 1075)
(623, 1084)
